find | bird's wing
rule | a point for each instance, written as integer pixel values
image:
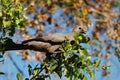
(52, 39)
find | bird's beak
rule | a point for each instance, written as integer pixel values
(84, 32)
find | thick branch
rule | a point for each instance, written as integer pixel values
(14, 46)
(32, 45)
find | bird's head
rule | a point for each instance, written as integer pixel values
(79, 29)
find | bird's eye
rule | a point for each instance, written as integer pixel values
(79, 27)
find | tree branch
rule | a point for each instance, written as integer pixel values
(14, 46)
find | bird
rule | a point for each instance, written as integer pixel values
(58, 37)
(53, 42)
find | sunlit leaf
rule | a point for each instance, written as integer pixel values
(85, 78)
(35, 72)
(83, 52)
(52, 68)
(104, 67)
(69, 78)
(18, 76)
(96, 63)
(92, 74)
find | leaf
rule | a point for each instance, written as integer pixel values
(58, 70)
(2, 73)
(35, 72)
(69, 78)
(48, 2)
(6, 23)
(52, 68)
(91, 74)
(18, 76)
(29, 69)
(96, 63)
(85, 78)
(1, 56)
(104, 67)
(0, 14)
(76, 35)
(82, 76)
(29, 66)
(83, 52)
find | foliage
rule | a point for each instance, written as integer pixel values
(2, 73)
(18, 76)
(35, 73)
(74, 61)
(11, 17)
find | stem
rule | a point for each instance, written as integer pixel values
(37, 74)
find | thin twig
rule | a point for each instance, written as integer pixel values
(37, 74)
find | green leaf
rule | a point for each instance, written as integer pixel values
(6, 23)
(82, 76)
(76, 35)
(35, 72)
(30, 69)
(87, 39)
(48, 2)
(52, 68)
(85, 78)
(104, 67)
(1, 56)
(29, 66)
(18, 76)
(83, 52)
(96, 63)
(2, 73)
(92, 74)
(59, 72)
(69, 78)
(0, 14)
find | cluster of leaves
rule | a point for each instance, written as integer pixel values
(73, 62)
(36, 72)
(11, 17)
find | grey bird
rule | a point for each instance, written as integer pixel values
(53, 42)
